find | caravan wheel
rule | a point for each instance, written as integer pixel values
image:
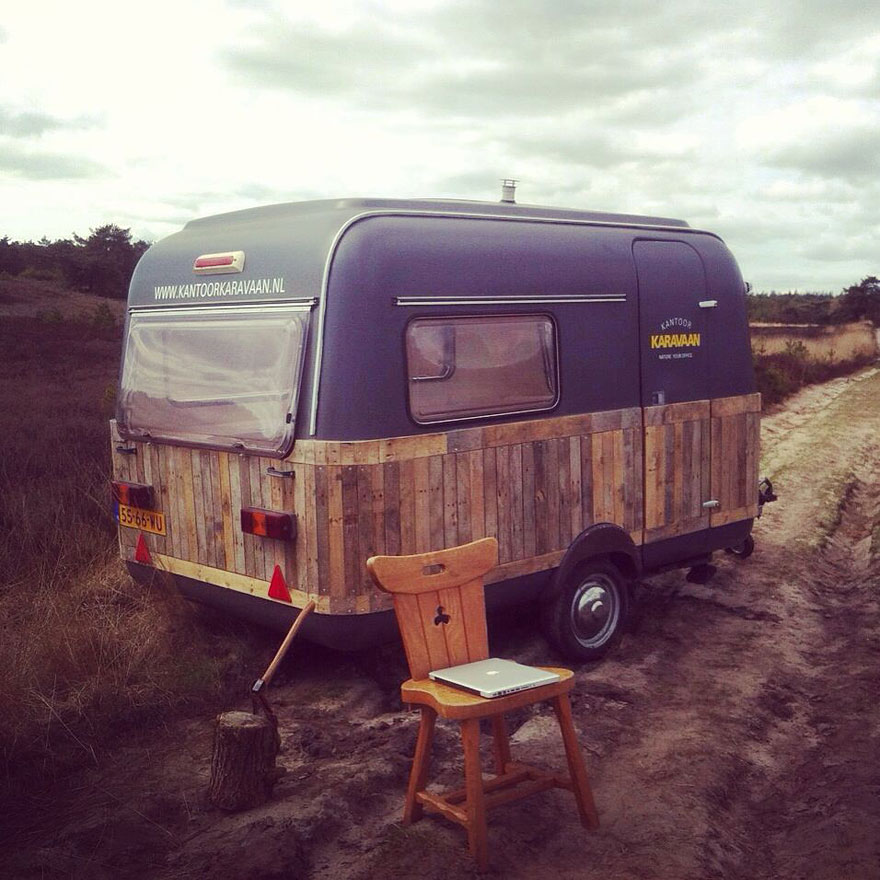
(586, 618)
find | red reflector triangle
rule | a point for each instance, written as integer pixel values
(141, 553)
(277, 586)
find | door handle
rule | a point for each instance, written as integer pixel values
(708, 303)
(712, 503)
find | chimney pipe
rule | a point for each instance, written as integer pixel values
(508, 191)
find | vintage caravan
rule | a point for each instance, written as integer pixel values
(306, 385)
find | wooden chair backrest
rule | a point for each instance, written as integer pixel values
(439, 603)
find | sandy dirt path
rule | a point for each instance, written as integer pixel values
(734, 734)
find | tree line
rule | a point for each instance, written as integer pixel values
(101, 263)
(859, 302)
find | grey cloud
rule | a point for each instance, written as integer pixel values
(465, 60)
(46, 166)
(852, 155)
(30, 124)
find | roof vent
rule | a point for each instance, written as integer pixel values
(508, 191)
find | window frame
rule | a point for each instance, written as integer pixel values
(555, 362)
(297, 372)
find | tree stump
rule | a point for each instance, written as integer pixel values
(243, 765)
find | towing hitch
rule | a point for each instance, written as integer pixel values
(765, 494)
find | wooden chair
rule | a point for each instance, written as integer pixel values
(440, 608)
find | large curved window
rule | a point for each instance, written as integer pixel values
(220, 376)
(466, 367)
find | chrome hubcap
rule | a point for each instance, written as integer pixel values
(595, 610)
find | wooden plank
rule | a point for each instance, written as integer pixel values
(717, 461)
(159, 479)
(392, 507)
(528, 499)
(465, 440)
(322, 528)
(565, 488)
(669, 512)
(530, 565)
(502, 494)
(450, 502)
(515, 502)
(576, 504)
(436, 509)
(542, 529)
(587, 515)
(552, 488)
(654, 477)
(731, 406)
(354, 565)
(261, 569)
(377, 480)
(310, 541)
(366, 539)
(463, 497)
(670, 413)
(408, 507)
(335, 535)
(618, 478)
(231, 580)
(490, 496)
(200, 512)
(422, 504)
(245, 500)
(418, 446)
(477, 499)
(189, 515)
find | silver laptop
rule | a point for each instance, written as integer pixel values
(494, 677)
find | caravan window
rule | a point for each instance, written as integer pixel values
(462, 368)
(223, 377)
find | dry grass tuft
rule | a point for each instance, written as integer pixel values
(85, 651)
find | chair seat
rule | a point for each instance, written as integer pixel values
(458, 704)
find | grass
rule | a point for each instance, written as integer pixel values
(85, 651)
(780, 375)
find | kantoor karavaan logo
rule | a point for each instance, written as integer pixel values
(675, 340)
(676, 333)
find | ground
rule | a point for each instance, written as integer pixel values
(735, 733)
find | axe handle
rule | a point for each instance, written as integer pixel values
(279, 656)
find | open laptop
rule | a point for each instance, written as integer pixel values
(494, 677)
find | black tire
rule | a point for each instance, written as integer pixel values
(586, 618)
(744, 550)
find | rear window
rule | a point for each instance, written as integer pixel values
(224, 377)
(467, 367)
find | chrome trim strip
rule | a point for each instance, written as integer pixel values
(301, 304)
(502, 300)
(459, 215)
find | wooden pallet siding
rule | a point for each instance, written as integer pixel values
(695, 452)
(676, 468)
(534, 485)
(736, 428)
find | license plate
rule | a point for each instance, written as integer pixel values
(145, 520)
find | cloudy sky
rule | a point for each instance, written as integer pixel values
(759, 121)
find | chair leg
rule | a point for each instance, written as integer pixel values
(580, 783)
(476, 808)
(501, 744)
(418, 776)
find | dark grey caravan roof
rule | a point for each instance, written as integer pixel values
(286, 247)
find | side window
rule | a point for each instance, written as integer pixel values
(466, 367)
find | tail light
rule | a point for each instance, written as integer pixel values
(133, 494)
(268, 523)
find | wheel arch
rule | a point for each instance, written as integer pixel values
(599, 541)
